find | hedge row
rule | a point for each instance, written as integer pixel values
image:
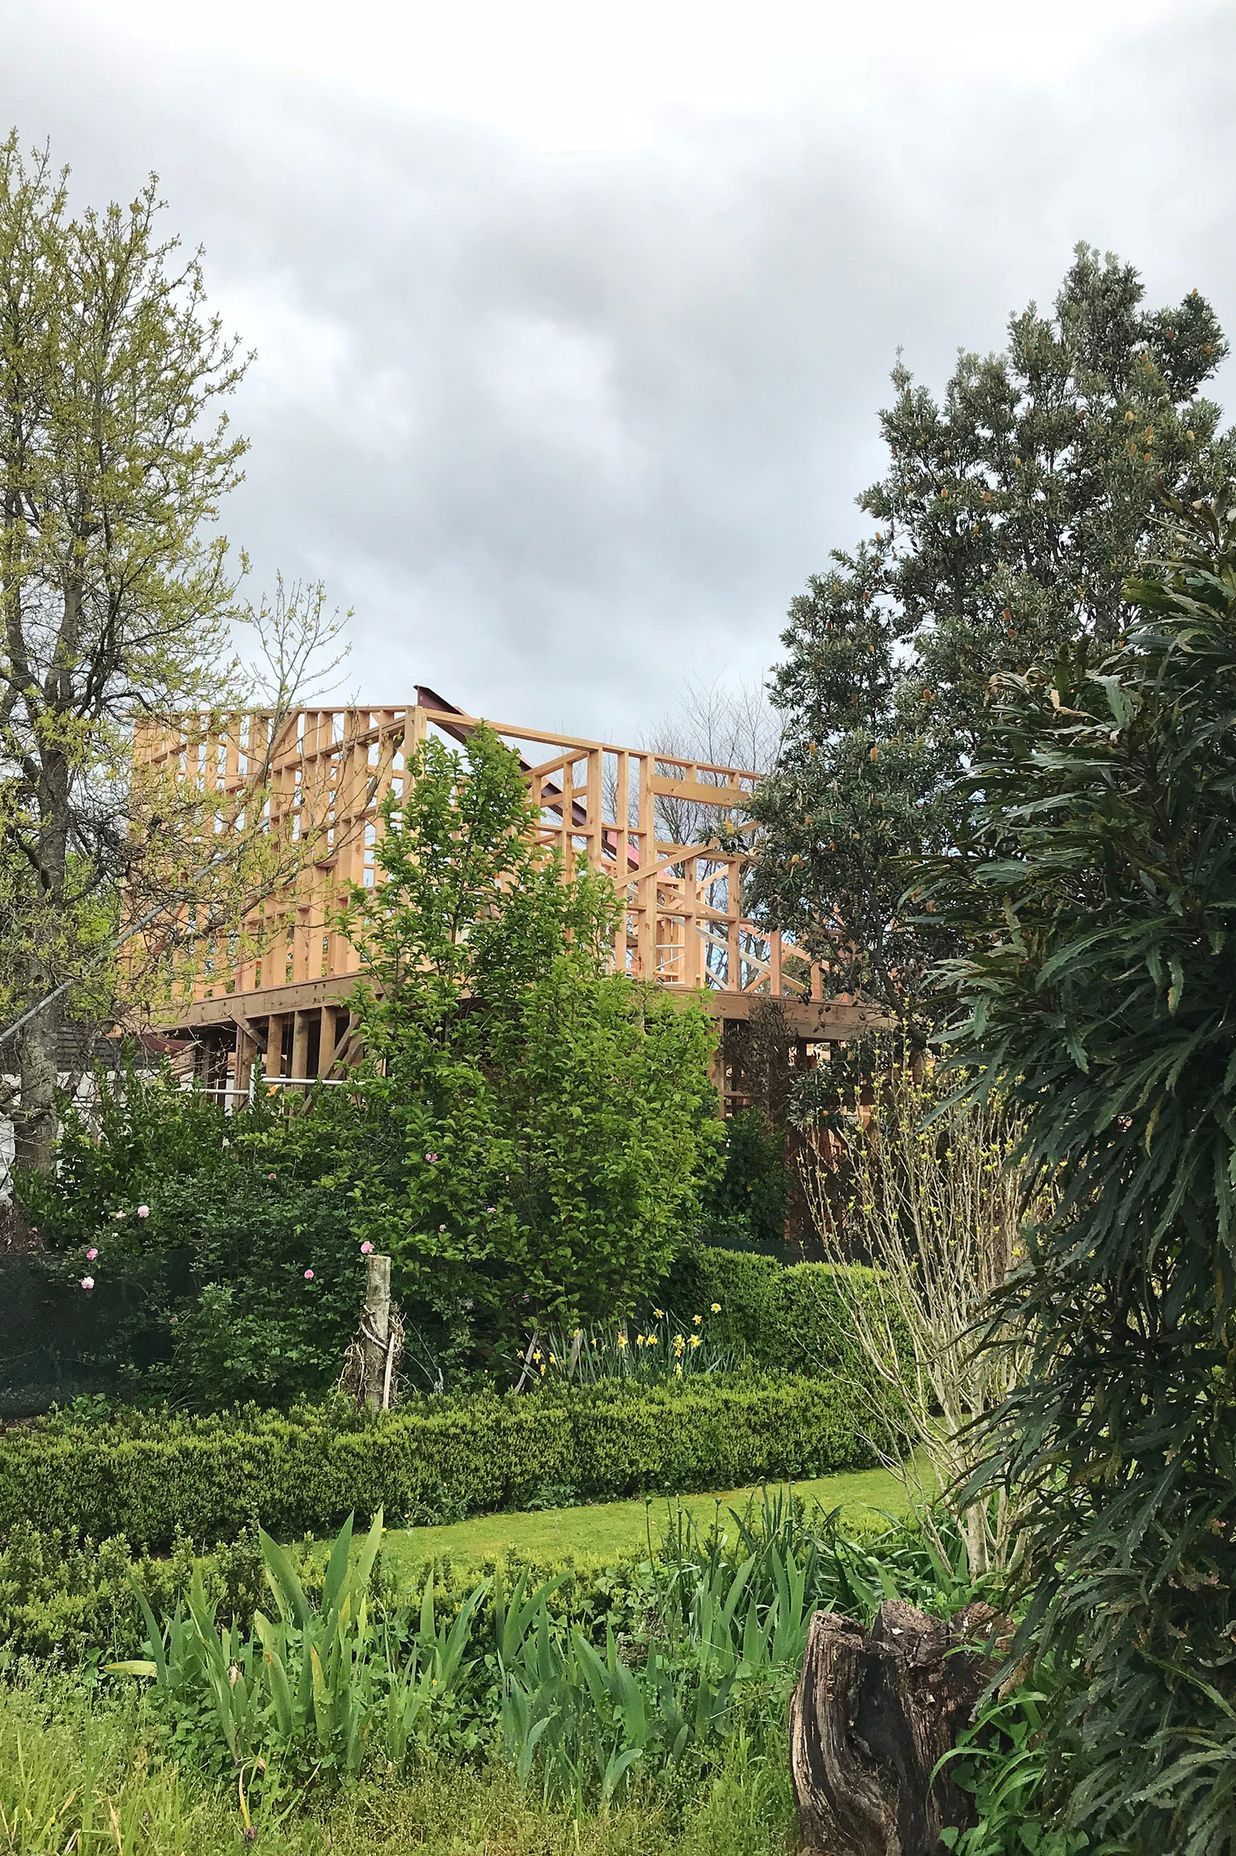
(794, 1320)
(74, 1600)
(207, 1479)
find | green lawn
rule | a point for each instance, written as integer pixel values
(604, 1531)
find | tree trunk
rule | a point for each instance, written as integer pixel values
(34, 1115)
(871, 1716)
(35, 1124)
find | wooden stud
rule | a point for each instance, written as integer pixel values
(300, 1045)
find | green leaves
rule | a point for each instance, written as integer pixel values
(1010, 511)
(1107, 1016)
(536, 1128)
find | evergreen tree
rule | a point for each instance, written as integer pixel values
(1092, 912)
(1010, 514)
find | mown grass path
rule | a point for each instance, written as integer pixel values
(605, 1531)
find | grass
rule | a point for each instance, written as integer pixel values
(600, 1532)
(80, 1772)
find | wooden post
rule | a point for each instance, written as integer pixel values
(246, 1050)
(327, 1039)
(646, 889)
(376, 1333)
(300, 1044)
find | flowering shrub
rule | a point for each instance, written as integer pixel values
(659, 1347)
(195, 1254)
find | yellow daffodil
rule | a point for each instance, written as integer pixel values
(678, 1371)
(659, 1313)
(622, 1340)
(715, 1308)
(697, 1320)
(695, 1340)
(537, 1354)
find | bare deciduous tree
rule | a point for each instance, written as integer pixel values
(936, 1205)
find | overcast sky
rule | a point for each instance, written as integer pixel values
(572, 320)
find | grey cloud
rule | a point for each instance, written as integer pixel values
(566, 430)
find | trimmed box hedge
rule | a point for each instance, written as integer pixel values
(206, 1479)
(793, 1320)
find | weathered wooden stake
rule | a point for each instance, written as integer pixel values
(376, 1332)
(873, 1713)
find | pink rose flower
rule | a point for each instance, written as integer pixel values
(87, 1282)
(308, 1275)
(91, 1254)
(366, 1248)
(270, 1176)
(143, 1211)
(432, 1159)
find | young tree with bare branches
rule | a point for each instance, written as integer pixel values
(118, 598)
(934, 1198)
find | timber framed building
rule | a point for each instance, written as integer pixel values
(663, 828)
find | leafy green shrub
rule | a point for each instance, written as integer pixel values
(75, 1600)
(1095, 903)
(536, 1129)
(433, 1460)
(794, 1319)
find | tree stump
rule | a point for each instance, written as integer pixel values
(871, 1716)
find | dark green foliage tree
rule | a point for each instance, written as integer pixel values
(1098, 900)
(1007, 519)
(748, 1203)
(539, 1127)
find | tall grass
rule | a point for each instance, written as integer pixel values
(79, 1776)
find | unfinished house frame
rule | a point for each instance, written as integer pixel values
(663, 828)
